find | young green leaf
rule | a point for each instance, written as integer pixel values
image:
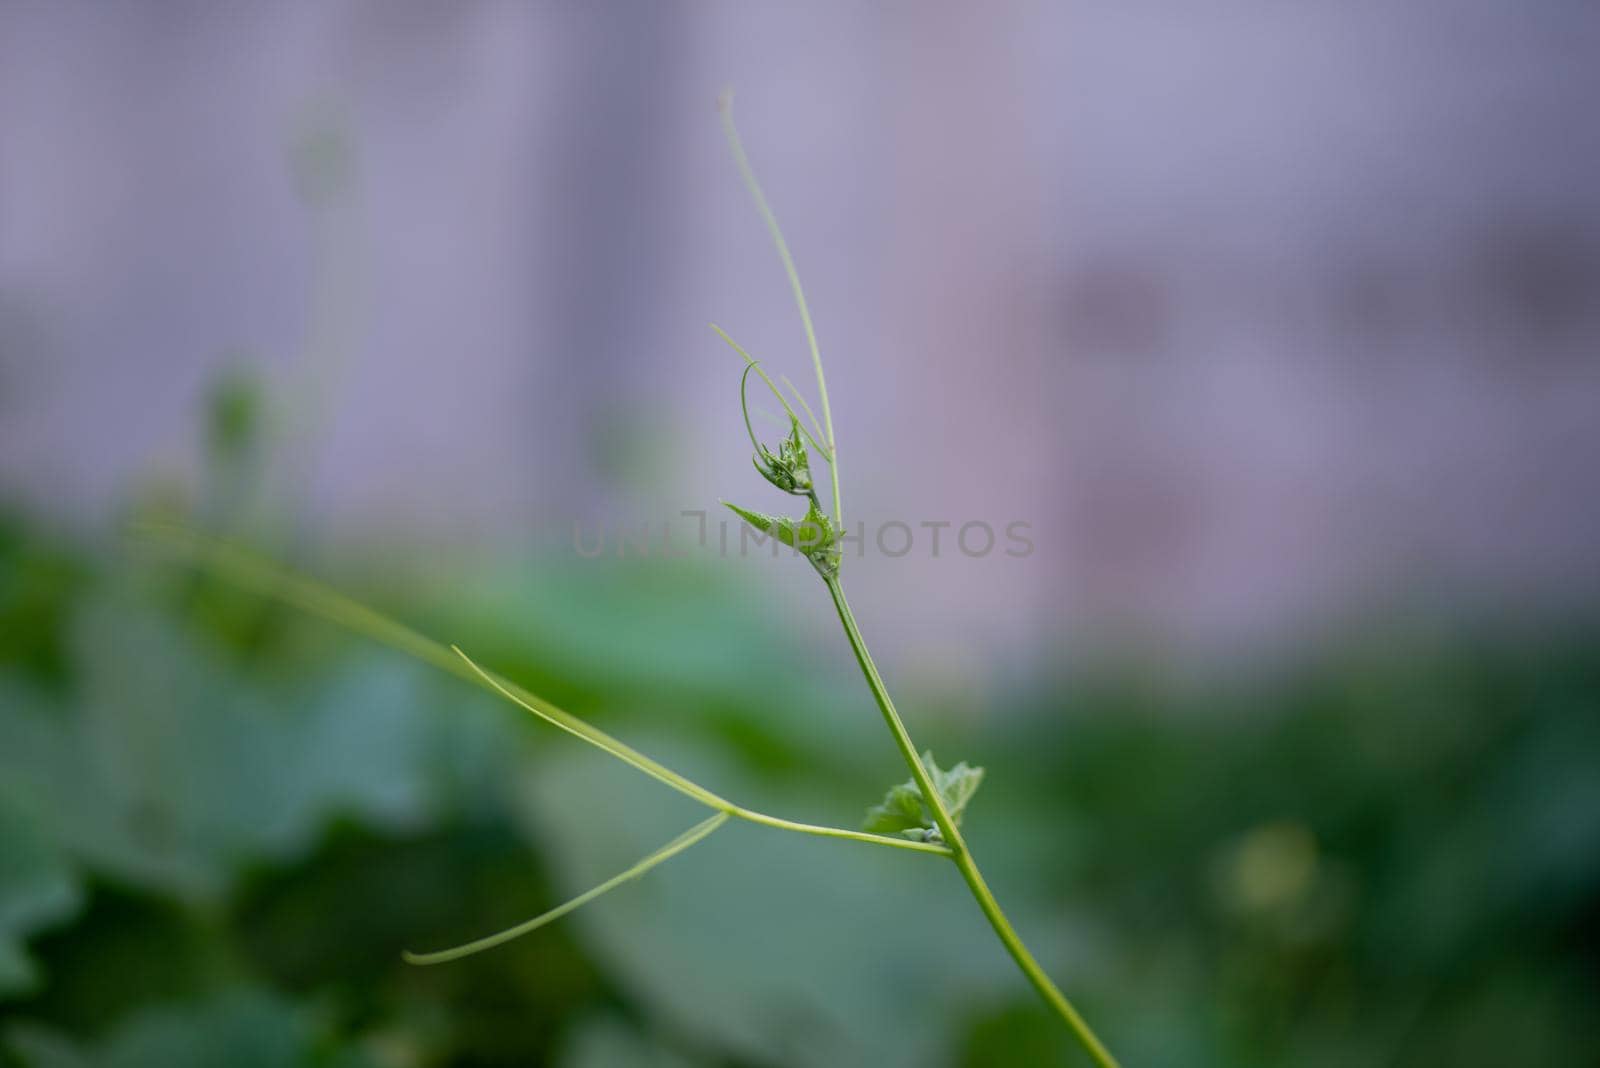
(790, 468)
(773, 526)
(813, 535)
(904, 812)
(955, 786)
(900, 812)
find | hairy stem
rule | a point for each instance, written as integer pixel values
(958, 846)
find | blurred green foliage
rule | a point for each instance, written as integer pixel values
(220, 823)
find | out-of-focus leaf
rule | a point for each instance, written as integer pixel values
(175, 769)
(37, 889)
(241, 1029)
(39, 584)
(607, 1042)
(779, 948)
(674, 641)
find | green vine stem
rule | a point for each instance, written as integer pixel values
(827, 561)
(265, 578)
(958, 847)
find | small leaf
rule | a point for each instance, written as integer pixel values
(903, 812)
(774, 526)
(814, 535)
(955, 786)
(792, 451)
(790, 469)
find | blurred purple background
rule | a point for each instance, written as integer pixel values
(1265, 316)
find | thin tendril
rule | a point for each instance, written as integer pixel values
(742, 160)
(801, 397)
(744, 406)
(666, 852)
(267, 579)
(751, 363)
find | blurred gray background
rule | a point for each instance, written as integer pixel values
(1266, 316)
